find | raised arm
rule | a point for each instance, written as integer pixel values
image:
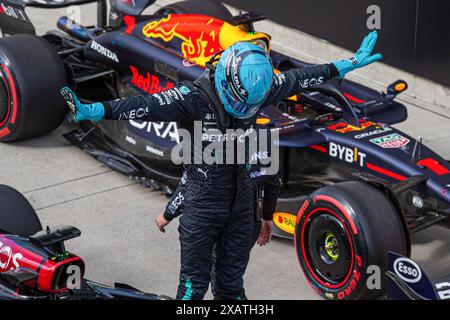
(296, 80)
(176, 104)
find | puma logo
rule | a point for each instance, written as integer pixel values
(203, 172)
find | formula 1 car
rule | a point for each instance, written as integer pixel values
(34, 264)
(354, 187)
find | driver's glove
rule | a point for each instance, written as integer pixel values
(93, 112)
(362, 57)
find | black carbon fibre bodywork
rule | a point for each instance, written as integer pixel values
(32, 270)
(89, 291)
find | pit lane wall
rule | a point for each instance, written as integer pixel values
(429, 81)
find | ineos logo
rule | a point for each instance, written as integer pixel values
(407, 270)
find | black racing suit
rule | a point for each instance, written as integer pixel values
(265, 195)
(220, 196)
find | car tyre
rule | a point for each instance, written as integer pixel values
(31, 76)
(342, 238)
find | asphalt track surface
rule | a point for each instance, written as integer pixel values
(120, 242)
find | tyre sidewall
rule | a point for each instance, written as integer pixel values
(369, 248)
(9, 127)
(39, 108)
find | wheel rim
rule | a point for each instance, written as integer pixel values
(331, 246)
(328, 248)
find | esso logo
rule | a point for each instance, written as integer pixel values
(407, 270)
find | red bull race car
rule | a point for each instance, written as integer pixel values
(354, 187)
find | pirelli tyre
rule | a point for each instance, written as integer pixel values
(342, 238)
(31, 75)
(17, 216)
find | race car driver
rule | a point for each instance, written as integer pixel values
(266, 189)
(220, 206)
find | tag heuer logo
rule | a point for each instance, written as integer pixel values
(391, 141)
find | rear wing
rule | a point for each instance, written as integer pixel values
(408, 281)
(14, 20)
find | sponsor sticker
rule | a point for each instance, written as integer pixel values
(391, 141)
(310, 82)
(349, 155)
(184, 90)
(378, 131)
(285, 221)
(162, 130)
(257, 173)
(104, 51)
(130, 3)
(130, 140)
(343, 127)
(279, 79)
(8, 259)
(12, 12)
(154, 151)
(417, 202)
(175, 203)
(257, 156)
(196, 44)
(187, 63)
(443, 290)
(407, 270)
(149, 83)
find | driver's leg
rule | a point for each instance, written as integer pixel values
(197, 238)
(232, 256)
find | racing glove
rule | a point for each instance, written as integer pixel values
(362, 57)
(80, 111)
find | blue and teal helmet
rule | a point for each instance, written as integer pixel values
(243, 77)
